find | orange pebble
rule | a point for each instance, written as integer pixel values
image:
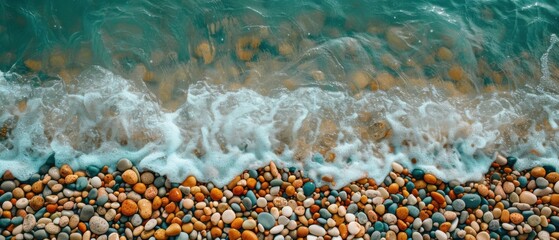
(251, 183)
(199, 197)
(128, 208)
(238, 190)
(175, 195)
(237, 223)
(170, 207)
(430, 178)
(189, 181)
(216, 194)
(139, 188)
(438, 197)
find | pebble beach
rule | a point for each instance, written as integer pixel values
(279, 203)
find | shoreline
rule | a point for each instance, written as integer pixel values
(272, 203)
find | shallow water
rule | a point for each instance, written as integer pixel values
(338, 88)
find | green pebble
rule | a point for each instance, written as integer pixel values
(81, 183)
(308, 188)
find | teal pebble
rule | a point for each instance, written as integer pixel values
(413, 211)
(308, 188)
(379, 226)
(102, 199)
(427, 200)
(5, 197)
(92, 171)
(276, 182)
(250, 195)
(247, 203)
(438, 217)
(4, 222)
(458, 189)
(418, 173)
(472, 200)
(236, 207)
(252, 173)
(17, 220)
(410, 186)
(266, 219)
(324, 213)
(523, 181)
(81, 183)
(92, 194)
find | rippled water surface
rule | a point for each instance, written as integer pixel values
(338, 88)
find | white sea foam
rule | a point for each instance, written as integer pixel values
(216, 133)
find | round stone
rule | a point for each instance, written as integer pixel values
(471, 200)
(308, 188)
(317, 230)
(534, 220)
(150, 224)
(458, 205)
(541, 182)
(98, 225)
(8, 186)
(128, 208)
(228, 216)
(123, 164)
(86, 213)
(288, 211)
(266, 219)
(528, 197)
(130, 177)
(353, 228)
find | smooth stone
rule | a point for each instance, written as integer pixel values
(8, 186)
(458, 205)
(440, 235)
(390, 218)
(528, 197)
(40, 234)
(317, 230)
(247, 203)
(52, 228)
(123, 164)
(81, 183)
(353, 228)
(308, 188)
(541, 182)
(150, 224)
(228, 216)
(266, 219)
(98, 225)
(471, 200)
(249, 224)
(29, 222)
(86, 213)
(534, 220)
(288, 211)
(95, 182)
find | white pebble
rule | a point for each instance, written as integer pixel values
(288, 211)
(353, 228)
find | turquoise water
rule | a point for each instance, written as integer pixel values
(338, 88)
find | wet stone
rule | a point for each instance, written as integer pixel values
(471, 200)
(308, 188)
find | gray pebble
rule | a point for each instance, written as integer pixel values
(8, 186)
(124, 164)
(98, 225)
(136, 220)
(86, 213)
(458, 205)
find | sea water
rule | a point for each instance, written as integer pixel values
(340, 89)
